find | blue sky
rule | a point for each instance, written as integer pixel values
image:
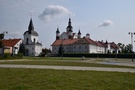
(103, 19)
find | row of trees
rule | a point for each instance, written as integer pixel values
(125, 48)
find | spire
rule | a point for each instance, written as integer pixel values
(31, 26)
(106, 42)
(57, 30)
(79, 34)
(57, 34)
(69, 27)
(69, 23)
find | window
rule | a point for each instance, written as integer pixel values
(27, 41)
(79, 47)
(74, 47)
(85, 47)
(34, 40)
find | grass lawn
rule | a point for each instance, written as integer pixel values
(39, 79)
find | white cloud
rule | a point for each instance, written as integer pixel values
(105, 23)
(54, 11)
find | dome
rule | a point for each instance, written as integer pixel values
(34, 33)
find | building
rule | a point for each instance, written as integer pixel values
(74, 43)
(11, 46)
(31, 43)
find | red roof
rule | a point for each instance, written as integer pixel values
(113, 45)
(90, 41)
(65, 41)
(98, 44)
(71, 41)
(10, 42)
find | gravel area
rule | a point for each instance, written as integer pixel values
(122, 62)
(69, 68)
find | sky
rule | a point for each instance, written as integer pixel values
(109, 20)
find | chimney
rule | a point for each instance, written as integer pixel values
(87, 35)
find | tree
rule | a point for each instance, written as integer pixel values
(0, 43)
(46, 51)
(1, 37)
(125, 48)
(61, 51)
(22, 49)
(129, 48)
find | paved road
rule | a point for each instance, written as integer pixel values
(131, 70)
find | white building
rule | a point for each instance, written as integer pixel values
(74, 43)
(31, 43)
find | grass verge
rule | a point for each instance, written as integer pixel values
(38, 79)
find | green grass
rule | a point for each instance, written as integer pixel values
(38, 79)
(63, 63)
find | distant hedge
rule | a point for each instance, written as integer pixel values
(100, 55)
(9, 56)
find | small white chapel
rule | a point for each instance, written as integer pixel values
(31, 43)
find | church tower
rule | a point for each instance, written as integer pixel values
(70, 30)
(33, 47)
(30, 36)
(57, 34)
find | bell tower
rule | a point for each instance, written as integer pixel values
(69, 29)
(57, 34)
(79, 34)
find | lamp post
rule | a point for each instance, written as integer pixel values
(132, 33)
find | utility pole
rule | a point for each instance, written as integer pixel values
(132, 33)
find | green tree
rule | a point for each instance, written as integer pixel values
(61, 51)
(129, 48)
(46, 51)
(1, 37)
(125, 48)
(22, 49)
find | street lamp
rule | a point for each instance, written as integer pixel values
(132, 33)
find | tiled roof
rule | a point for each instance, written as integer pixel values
(113, 45)
(103, 43)
(64, 42)
(98, 44)
(10, 42)
(72, 41)
(90, 41)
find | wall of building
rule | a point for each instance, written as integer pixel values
(92, 48)
(16, 48)
(38, 50)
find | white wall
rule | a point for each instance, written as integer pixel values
(16, 47)
(38, 50)
(92, 48)
(30, 37)
(63, 36)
